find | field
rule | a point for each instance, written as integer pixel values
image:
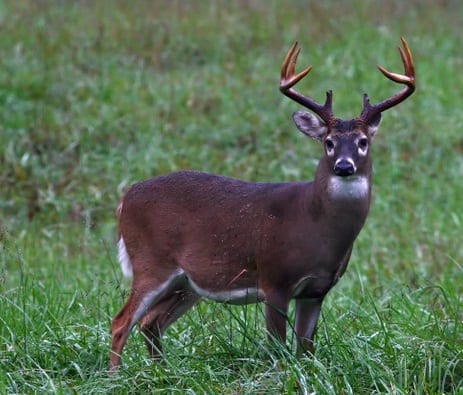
(96, 95)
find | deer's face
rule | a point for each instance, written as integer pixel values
(347, 148)
(346, 143)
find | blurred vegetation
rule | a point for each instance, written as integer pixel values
(96, 95)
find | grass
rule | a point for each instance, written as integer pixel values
(98, 95)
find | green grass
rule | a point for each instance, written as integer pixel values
(97, 95)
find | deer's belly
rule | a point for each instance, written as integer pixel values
(243, 295)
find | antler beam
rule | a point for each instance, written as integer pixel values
(289, 79)
(408, 78)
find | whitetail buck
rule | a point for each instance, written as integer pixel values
(188, 235)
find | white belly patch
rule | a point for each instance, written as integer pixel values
(352, 187)
(235, 296)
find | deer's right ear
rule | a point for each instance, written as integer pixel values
(310, 125)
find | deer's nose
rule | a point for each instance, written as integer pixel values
(344, 167)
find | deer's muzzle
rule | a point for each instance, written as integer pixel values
(344, 167)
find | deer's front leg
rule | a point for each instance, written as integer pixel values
(307, 313)
(276, 313)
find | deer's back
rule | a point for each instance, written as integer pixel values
(202, 197)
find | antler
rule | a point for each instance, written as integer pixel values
(289, 79)
(408, 79)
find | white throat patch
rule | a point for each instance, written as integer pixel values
(351, 187)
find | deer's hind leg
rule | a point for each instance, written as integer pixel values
(146, 291)
(163, 313)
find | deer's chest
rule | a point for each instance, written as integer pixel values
(313, 286)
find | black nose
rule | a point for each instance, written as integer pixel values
(344, 168)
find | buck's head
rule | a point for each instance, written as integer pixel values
(346, 142)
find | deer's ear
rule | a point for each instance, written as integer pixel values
(373, 125)
(310, 125)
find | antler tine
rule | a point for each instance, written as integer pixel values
(288, 79)
(409, 67)
(408, 78)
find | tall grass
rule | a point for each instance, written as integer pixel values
(98, 95)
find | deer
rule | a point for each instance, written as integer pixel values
(190, 235)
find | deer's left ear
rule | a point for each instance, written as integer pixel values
(373, 125)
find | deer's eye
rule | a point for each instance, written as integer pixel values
(329, 145)
(363, 143)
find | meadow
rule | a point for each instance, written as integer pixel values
(96, 95)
